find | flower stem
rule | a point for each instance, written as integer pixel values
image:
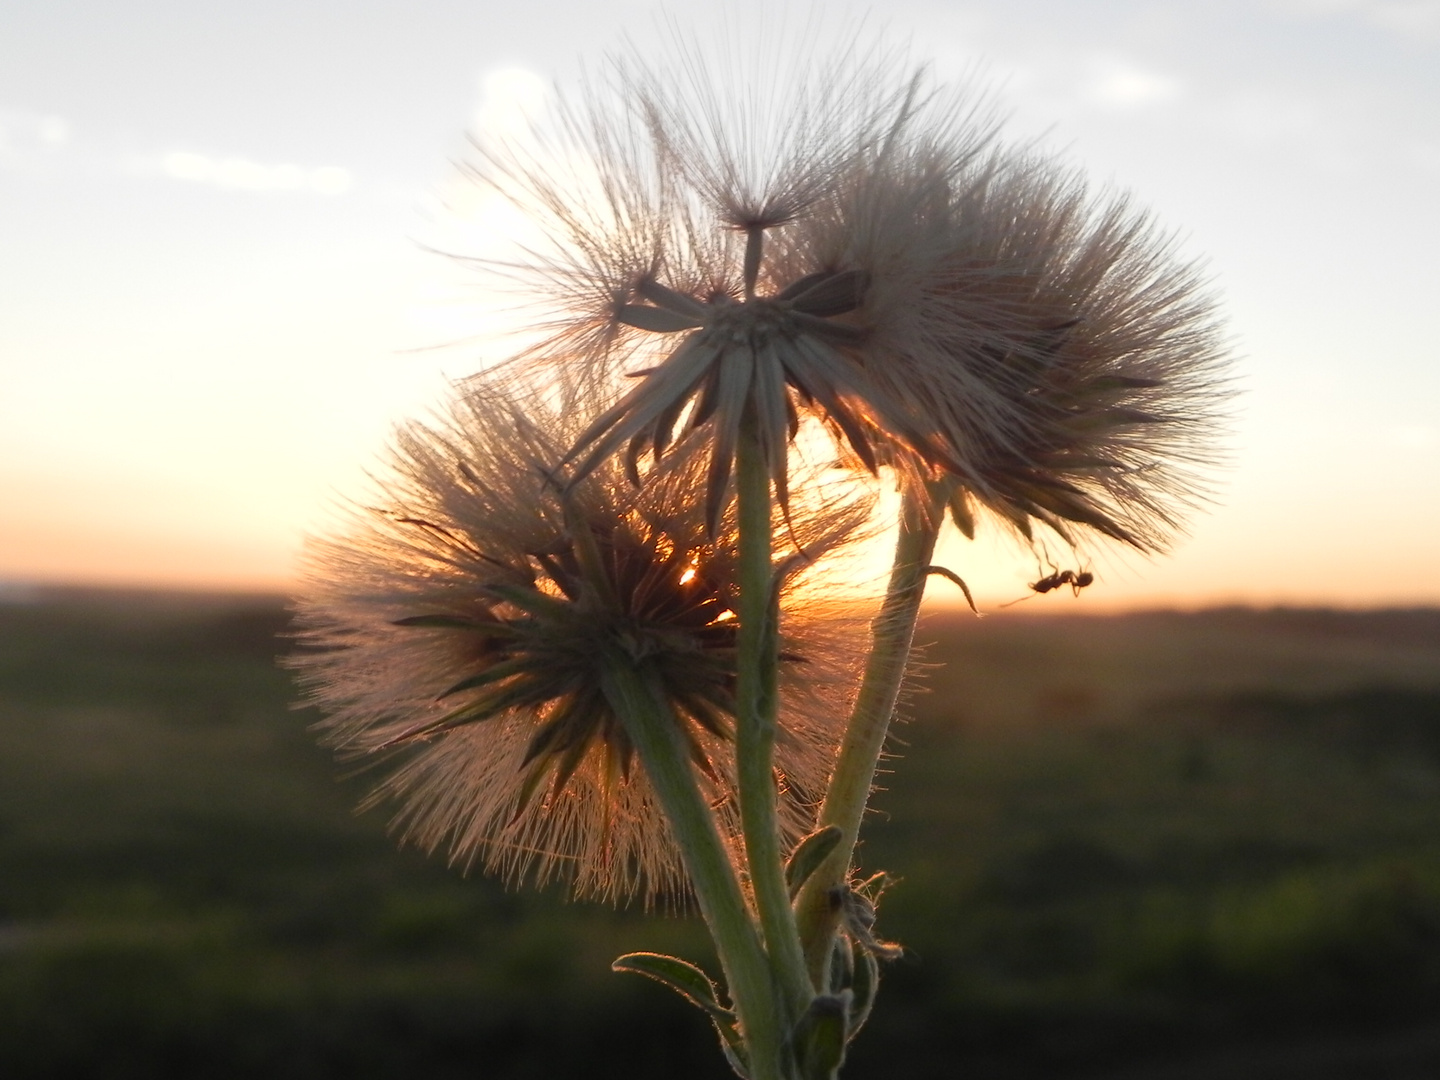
(845, 800)
(757, 706)
(655, 731)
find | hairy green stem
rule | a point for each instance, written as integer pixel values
(849, 792)
(757, 707)
(655, 730)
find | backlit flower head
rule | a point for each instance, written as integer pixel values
(1072, 365)
(845, 240)
(463, 628)
(655, 203)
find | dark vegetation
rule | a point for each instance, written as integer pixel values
(1170, 846)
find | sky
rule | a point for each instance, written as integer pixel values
(216, 299)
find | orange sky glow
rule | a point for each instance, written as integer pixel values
(215, 305)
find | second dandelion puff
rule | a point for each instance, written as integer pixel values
(465, 629)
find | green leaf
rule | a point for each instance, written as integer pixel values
(534, 774)
(657, 320)
(683, 977)
(1078, 463)
(866, 983)
(473, 713)
(833, 333)
(1073, 507)
(527, 599)
(961, 513)
(441, 622)
(494, 673)
(671, 300)
(820, 1037)
(808, 855)
(735, 1055)
(694, 986)
(1108, 383)
(955, 579)
(800, 285)
(842, 964)
(1093, 420)
(1016, 514)
(833, 294)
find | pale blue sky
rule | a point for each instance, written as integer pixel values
(209, 281)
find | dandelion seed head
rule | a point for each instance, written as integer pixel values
(458, 634)
(842, 238)
(1070, 364)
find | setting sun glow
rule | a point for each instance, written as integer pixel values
(217, 303)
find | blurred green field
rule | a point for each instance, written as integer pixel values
(1171, 846)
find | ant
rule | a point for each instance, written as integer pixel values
(1076, 579)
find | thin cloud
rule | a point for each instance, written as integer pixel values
(27, 137)
(242, 174)
(510, 99)
(33, 142)
(1119, 85)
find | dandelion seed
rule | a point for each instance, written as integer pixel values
(463, 630)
